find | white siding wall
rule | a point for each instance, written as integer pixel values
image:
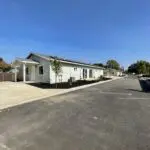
(75, 71)
(119, 73)
(98, 73)
(67, 72)
(45, 78)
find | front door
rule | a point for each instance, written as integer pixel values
(32, 73)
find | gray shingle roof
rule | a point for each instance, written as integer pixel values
(49, 57)
(27, 60)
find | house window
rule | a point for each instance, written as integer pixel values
(90, 73)
(41, 70)
(75, 69)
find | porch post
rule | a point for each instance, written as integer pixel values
(24, 72)
(50, 73)
(15, 74)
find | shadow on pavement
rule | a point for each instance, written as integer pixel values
(134, 90)
(40, 85)
(51, 86)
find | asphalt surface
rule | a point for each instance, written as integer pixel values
(110, 116)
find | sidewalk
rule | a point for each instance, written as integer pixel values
(15, 93)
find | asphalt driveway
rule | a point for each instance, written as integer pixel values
(110, 116)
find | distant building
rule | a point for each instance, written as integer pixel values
(112, 72)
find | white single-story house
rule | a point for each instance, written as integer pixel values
(38, 68)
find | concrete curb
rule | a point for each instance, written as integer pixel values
(57, 94)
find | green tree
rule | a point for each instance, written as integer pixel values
(57, 68)
(4, 66)
(132, 68)
(113, 64)
(99, 65)
(140, 67)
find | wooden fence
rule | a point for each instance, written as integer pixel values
(7, 77)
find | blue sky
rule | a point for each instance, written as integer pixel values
(85, 30)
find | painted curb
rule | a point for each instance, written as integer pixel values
(57, 94)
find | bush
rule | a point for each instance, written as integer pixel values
(78, 83)
(147, 75)
(101, 78)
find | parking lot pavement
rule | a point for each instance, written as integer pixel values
(110, 116)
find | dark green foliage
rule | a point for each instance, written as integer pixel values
(99, 65)
(140, 67)
(64, 85)
(4, 66)
(113, 64)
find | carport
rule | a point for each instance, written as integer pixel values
(26, 68)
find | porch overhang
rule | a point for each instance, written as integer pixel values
(20, 61)
(24, 62)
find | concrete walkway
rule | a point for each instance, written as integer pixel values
(12, 94)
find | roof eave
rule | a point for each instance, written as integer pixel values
(51, 59)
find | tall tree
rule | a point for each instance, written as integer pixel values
(132, 68)
(140, 67)
(57, 68)
(113, 64)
